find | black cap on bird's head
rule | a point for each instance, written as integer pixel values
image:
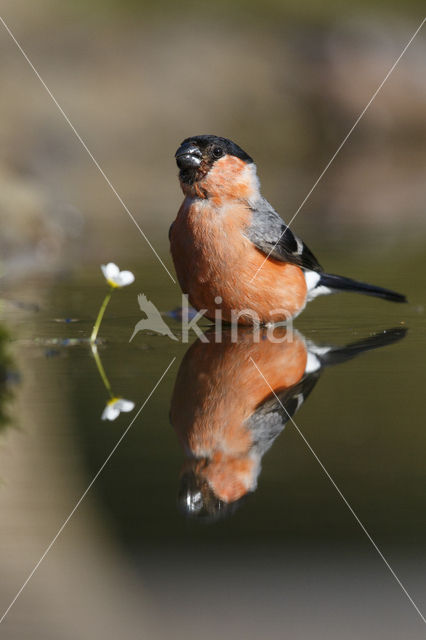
(196, 155)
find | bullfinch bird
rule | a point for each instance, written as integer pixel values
(232, 250)
(226, 416)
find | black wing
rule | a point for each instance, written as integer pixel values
(272, 236)
(270, 418)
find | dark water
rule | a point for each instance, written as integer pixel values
(291, 561)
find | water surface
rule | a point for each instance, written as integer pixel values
(291, 560)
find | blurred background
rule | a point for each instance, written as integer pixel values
(286, 80)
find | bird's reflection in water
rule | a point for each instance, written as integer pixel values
(226, 416)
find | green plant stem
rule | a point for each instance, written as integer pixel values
(100, 316)
(101, 369)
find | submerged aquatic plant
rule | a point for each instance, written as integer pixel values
(116, 279)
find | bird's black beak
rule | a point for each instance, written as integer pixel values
(188, 156)
(196, 499)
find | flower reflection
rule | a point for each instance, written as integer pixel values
(115, 406)
(226, 417)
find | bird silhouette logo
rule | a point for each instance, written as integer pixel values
(153, 320)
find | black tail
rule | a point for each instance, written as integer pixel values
(340, 283)
(337, 355)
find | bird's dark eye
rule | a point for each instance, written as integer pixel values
(217, 152)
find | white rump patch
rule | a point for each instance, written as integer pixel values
(319, 291)
(312, 278)
(312, 363)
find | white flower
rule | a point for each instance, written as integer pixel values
(115, 406)
(115, 277)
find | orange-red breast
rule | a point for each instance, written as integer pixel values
(225, 229)
(226, 416)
